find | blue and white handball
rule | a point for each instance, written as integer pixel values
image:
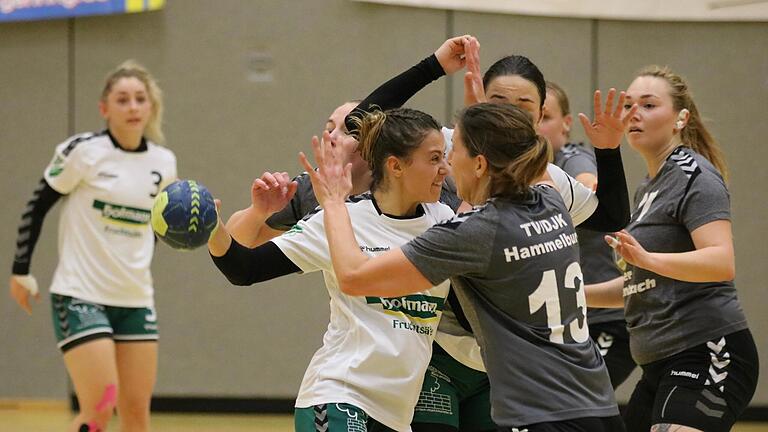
(184, 215)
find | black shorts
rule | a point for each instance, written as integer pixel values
(612, 339)
(706, 387)
(586, 424)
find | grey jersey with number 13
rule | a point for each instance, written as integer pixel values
(515, 268)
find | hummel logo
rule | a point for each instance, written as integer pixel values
(365, 248)
(104, 174)
(684, 374)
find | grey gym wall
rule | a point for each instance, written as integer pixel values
(247, 84)
(34, 109)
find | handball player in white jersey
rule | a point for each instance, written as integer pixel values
(102, 293)
(368, 372)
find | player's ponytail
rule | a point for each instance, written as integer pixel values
(504, 135)
(131, 69)
(397, 132)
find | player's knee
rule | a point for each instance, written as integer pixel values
(96, 418)
(134, 414)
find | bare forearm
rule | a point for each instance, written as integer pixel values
(345, 254)
(710, 264)
(249, 228)
(608, 294)
(220, 241)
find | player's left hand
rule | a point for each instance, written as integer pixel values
(474, 91)
(332, 181)
(606, 130)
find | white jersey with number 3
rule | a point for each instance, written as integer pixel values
(105, 239)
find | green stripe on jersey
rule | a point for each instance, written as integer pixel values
(415, 305)
(120, 213)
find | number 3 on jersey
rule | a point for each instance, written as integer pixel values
(547, 295)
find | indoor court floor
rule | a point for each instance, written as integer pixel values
(53, 417)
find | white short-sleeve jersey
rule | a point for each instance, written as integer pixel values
(105, 239)
(376, 350)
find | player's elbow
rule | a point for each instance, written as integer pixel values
(351, 285)
(729, 271)
(238, 281)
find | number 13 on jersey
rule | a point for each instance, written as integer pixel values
(547, 296)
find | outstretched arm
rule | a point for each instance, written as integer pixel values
(269, 193)
(448, 59)
(605, 134)
(245, 266)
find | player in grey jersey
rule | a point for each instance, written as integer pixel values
(687, 329)
(514, 264)
(606, 325)
(456, 376)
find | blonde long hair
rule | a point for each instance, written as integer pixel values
(132, 69)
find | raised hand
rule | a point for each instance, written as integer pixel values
(474, 91)
(606, 130)
(332, 181)
(272, 192)
(451, 54)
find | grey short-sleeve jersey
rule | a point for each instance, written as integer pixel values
(667, 316)
(515, 268)
(598, 261)
(576, 159)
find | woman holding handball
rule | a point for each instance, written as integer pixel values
(102, 294)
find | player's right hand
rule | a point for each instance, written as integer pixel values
(21, 287)
(272, 192)
(452, 53)
(332, 181)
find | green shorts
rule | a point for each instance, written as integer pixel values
(335, 417)
(78, 321)
(454, 395)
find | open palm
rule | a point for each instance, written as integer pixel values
(606, 130)
(332, 181)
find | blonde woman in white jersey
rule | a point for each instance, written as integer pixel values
(102, 294)
(368, 372)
